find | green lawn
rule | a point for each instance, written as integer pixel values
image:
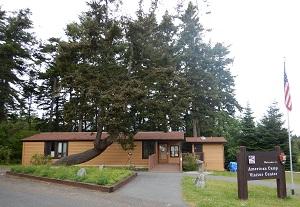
(106, 176)
(233, 174)
(223, 194)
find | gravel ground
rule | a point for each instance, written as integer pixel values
(146, 190)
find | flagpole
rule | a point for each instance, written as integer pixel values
(290, 148)
(291, 160)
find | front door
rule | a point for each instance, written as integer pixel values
(163, 153)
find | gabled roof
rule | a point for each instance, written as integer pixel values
(90, 136)
(206, 139)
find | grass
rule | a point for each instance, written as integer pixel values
(8, 166)
(234, 174)
(223, 194)
(106, 176)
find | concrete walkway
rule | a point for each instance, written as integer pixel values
(164, 188)
(146, 190)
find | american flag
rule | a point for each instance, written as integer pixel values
(287, 95)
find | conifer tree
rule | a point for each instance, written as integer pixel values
(16, 54)
(248, 136)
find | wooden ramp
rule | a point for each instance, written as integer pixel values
(166, 168)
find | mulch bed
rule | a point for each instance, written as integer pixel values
(102, 188)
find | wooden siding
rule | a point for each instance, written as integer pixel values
(214, 156)
(113, 155)
(30, 149)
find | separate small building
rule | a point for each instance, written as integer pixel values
(208, 149)
(151, 148)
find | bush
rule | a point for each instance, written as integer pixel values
(39, 159)
(189, 163)
(5, 154)
(103, 180)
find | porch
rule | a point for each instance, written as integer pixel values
(167, 157)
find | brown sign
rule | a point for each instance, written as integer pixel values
(259, 165)
(263, 165)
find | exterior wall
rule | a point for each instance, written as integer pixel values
(113, 155)
(213, 156)
(30, 149)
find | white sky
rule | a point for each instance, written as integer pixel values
(260, 33)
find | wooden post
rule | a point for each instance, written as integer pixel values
(193, 149)
(242, 175)
(281, 183)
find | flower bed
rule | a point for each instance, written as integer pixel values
(109, 178)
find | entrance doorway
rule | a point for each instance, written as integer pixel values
(163, 153)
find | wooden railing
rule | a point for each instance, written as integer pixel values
(152, 161)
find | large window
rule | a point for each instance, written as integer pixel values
(56, 149)
(148, 148)
(174, 151)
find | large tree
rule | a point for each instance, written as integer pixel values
(206, 68)
(271, 132)
(16, 56)
(125, 71)
(248, 136)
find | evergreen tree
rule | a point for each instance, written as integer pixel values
(165, 92)
(50, 97)
(271, 132)
(16, 54)
(248, 136)
(206, 70)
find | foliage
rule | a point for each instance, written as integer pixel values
(189, 163)
(248, 136)
(229, 127)
(5, 154)
(222, 193)
(39, 159)
(122, 75)
(11, 134)
(16, 57)
(106, 176)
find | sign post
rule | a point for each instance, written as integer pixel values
(258, 165)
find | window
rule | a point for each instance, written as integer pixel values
(148, 148)
(174, 151)
(186, 147)
(56, 149)
(198, 148)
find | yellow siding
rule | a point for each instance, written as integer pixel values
(214, 156)
(30, 149)
(113, 155)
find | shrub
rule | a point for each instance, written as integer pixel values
(103, 180)
(39, 159)
(5, 154)
(189, 163)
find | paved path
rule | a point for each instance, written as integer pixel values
(146, 190)
(153, 186)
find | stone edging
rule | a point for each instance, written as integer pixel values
(102, 188)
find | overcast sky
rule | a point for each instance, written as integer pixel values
(260, 33)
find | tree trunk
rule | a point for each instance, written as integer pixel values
(100, 146)
(52, 101)
(195, 124)
(80, 124)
